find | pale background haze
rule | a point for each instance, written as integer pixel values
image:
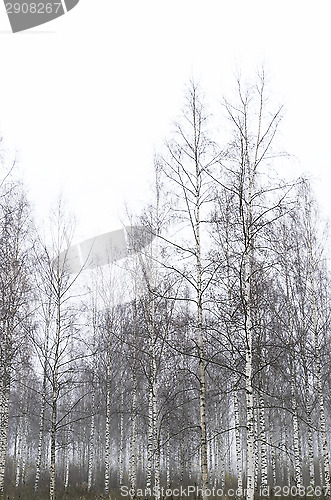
(87, 99)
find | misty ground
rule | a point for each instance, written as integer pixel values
(80, 493)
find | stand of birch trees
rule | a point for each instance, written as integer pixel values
(202, 359)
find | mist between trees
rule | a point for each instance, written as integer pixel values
(201, 359)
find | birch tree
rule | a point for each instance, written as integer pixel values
(250, 152)
(314, 259)
(15, 292)
(189, 155)
(58, 290)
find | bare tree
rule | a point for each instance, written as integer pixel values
(58, 305)
(188, 157)
(256, 200)
(15, 292)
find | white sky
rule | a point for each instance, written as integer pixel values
(89, 97)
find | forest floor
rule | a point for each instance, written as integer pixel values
(27, 493)
(76, 493)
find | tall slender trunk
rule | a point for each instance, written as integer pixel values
(167, 451)
(42, 412)
(155, 458)
(121, 453)
(108, 418)
(202, 369)
(41, 435)
(157, 479)
(222, 460)
(320, 459)
(53, 444)
(296, 438)
(263, 443)
(287, 457)
(249, 387)
(133, 442)
(311, 470)
(55, 400)
(4, 411)
(238, 443)
(4, 405)
(235, 376)
(19, 452)
(273, 451)
(25, 451)
(68, 432)
(211, 457)
(150, 454)
(67, 453)
(91, 443)
(257, 448)
(326, 461)
(216, 448)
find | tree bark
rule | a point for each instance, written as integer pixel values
(42, 415)
(55, 399)
(133, 442)
(248, 372)
(296, 438)
(4, 410)
(91, 444)
(108, 418)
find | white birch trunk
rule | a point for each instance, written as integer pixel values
(67, 455)
(168, 459)
(202, 374)
(325, 449)
(157, 480)
(326, 461)
(150, 454)
(249, 388)
(19, 452)
(41, 435)
(216, 448)
(239, 468)
(4, 409)
(287, 458)
(121, 454)
(133, 442)
(263, 443)
(68, 438)
(309, 430)
(296, 438)
(108, 418)
(91, 445)
(53, 443)
(257, 448)
(154, 424)
(24, 455)
(238, 443)
(54, 402)
(189, 462)
(210, 455)
(42, 412)
(216, 462)
(222, 461)
(273, 451)
(320, 459)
